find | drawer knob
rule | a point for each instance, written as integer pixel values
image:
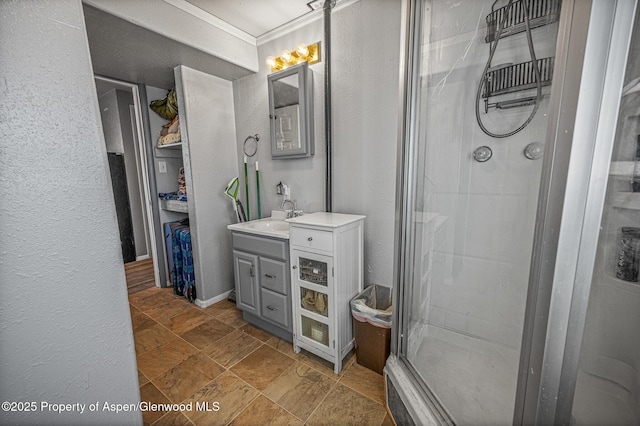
(271, 308)
(269, 276)
(295, 267)
(310, 239)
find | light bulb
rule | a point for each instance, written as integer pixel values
(302, 50)
(285, 56)
(270, 61)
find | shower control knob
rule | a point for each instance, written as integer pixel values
(534, 151)
(482, 154)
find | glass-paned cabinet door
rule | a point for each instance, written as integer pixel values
(314, 301)
(315, 330)
(314, 270)
(313, 293)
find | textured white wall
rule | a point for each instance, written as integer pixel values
(365, 68)
(205, 103)
(305, 176)
(65, 327)
(364, 103)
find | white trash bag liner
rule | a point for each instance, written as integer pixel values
(373, 305)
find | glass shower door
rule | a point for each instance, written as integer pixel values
(476, 146)
(608, 380)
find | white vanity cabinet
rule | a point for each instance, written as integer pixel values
(326, 273)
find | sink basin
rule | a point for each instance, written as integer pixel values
(269, 225)
(274, 226)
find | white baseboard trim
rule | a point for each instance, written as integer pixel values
(209, 302)
(143, 257)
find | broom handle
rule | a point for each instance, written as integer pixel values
(246, 188)
(258, 189)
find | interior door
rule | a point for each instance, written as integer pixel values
(123, 208)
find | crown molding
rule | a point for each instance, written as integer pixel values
(213, 20)
(300, 22)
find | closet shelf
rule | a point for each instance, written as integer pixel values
(174, 206)
(622, 169)
(541, 12)
(627, 286)
(626, 200)
(177, 145)
(173, 150)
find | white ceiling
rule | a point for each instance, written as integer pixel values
(255, 17)
(125, 51)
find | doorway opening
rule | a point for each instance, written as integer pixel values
(121, 114)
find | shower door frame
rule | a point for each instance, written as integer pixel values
(570, 202)
(559, 294)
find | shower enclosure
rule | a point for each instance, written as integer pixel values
(509, 127)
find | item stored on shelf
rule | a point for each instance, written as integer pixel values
(166, 107)
(629, 255)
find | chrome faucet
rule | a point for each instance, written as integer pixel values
(289, 212)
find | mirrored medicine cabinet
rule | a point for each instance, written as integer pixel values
(291, 112)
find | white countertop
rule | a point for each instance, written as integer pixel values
(331, 220)
(273, 226)
(276, 226)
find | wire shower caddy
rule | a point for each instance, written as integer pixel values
(541, 12)
(512, 78)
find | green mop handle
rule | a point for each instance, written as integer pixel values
(258, 189)
(246, 188)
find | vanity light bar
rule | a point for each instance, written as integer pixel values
(303, 53)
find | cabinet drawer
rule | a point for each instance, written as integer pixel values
(260, 245)
(311, 238)
(273, 275)
(275, 308)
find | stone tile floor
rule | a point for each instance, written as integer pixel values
(187, 354)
